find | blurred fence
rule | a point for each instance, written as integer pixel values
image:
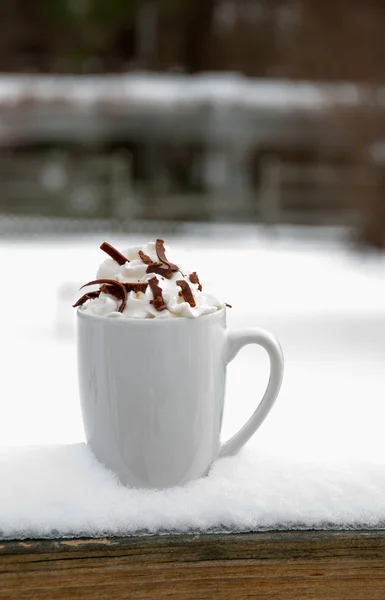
(176, 148)
(57, 184)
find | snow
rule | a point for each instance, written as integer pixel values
(167, 91)
(317, 461)
(63, 491)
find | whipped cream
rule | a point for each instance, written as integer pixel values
(163, 297)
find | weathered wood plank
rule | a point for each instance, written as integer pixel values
(285, 565)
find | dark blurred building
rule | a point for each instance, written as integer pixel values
(301, 39)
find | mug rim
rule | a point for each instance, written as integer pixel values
(81, 314)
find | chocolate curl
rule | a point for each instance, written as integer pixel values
(158, 301)
(159, 270)
(228, 305)
(193, 277)
(146, 259)
(88, 296)
(114, 253)
(186, 292)
(113, 290)
(160, 251)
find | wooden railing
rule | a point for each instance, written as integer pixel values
(290, 565)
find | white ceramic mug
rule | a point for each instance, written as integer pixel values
(152, 393)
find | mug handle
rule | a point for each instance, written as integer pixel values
(236, 339)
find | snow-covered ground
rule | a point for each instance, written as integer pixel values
(318, 460)
(324, 302)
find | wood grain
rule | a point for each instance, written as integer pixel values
(285, 565)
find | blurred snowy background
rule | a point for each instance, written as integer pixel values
(247, 133)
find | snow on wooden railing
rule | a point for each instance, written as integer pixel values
(166, 91)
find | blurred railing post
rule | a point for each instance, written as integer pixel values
(270, 190)
(122, 195)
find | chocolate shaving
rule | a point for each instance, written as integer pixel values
(88, 296)
(146, 259)
(159, 270)
(193, 277)
(228, 305)
(158, 301)
(114, 253)
(162, 256)
(186, 292)
(136, 287)
(113, 288)
(107, 288)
